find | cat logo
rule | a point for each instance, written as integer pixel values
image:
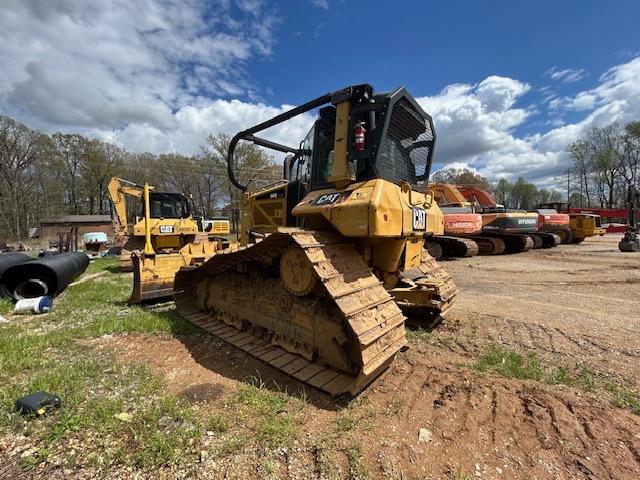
(419, 219)
(331, 198)
(327, 199)
(166, 228)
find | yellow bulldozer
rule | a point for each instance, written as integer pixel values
(331, 260)
(161, 240)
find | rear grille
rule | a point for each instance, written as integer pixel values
(405, 151)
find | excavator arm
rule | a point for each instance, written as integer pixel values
(446, 194)
(483, 197)
(118, 190)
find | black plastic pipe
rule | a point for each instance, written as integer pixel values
(48, 275)
(8, 260)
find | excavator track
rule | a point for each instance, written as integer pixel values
(514, 242)
(489, 245)
(456, 246)
(565, 234)
(338, 337)
(545, 239)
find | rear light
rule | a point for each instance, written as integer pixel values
(358, 134)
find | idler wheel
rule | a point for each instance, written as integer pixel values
(297, 273)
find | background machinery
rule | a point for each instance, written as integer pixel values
(496, 234)
(165, 238)
(631, 240)
(512, 226)
(551, 221)
(582, 225)
(460, 222)
(332, 257)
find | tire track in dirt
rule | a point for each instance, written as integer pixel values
(523, 429)
(566, 346)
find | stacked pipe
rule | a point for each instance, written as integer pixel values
(26, 278)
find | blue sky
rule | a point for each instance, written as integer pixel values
(427, 45)
(509, 83)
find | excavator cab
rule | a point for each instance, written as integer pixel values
(168, 205)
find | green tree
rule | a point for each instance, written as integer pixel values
(502, 191)
(20, 150)
(523, 195)
(461, 176)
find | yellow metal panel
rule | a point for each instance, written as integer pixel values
(387, 254)
(341, 174)
(375, 208)
(413, 252)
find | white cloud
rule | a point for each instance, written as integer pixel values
(472, 120)
(161, 75)
(475, 123)
(195, 123)
(100, 64)
(566, 75)
(321, 3)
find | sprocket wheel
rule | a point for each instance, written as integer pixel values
(297, 273)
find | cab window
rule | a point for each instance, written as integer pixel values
(322, 155)
(166, 205)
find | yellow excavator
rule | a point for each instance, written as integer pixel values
(331, 259)
(165, 238)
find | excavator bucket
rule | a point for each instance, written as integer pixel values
(153, 275)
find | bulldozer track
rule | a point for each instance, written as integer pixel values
(253, 314)
(349, 290)
(442, 287)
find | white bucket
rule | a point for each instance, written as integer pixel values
(33, 305)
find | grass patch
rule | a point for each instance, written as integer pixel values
(44, 353)
(6, 306)
(272, 414)
(513, 364)
(624, 397)
(586, 379)
(357, 469)
(346, 421)
(419, 335)
(217, 423)
(510, 363)
(233, 444)
(395, 407)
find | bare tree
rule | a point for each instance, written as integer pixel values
(19, 151)
(252, 167)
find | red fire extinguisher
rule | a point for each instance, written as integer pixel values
(359, 134)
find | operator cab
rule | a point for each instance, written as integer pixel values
(390, 137)
(168, 205)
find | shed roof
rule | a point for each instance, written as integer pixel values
(77, 219)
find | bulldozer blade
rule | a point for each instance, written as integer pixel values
(153, 276)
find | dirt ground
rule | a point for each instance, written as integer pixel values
(572, 306)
